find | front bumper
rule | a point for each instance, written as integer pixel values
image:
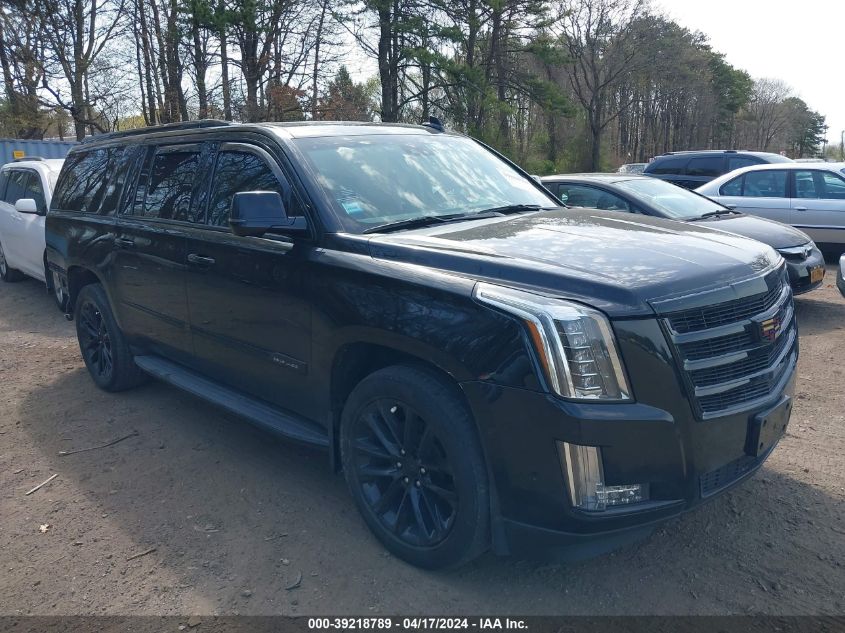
(800, 270)
(679, 455)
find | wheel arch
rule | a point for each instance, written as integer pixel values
(77, 278)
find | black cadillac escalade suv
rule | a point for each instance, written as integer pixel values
(488, 369)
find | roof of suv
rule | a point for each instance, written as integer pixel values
(52, 164)
(291, 129)
(743, 152)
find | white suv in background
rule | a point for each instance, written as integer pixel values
(26, 187)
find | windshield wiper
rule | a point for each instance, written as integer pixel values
(515, 208)
(714, 214)
(428, 220)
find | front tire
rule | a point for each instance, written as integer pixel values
(104, 348)
(414, 465)
(7, 273)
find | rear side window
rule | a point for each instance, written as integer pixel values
(765, 184)
(16, 188)
(732, 187)
(582, 196)
(84, 184)
(669, 166)
(706, 166)
(4, 180)
(167, 187)
(244, 171)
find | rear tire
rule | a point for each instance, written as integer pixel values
(414, 465)
(7, 273)
(104, 348)
(57, 288)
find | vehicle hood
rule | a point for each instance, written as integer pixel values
(769, 232)
(617, 262)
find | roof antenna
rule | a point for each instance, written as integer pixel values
(435, 123)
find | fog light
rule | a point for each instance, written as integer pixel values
(585, 479)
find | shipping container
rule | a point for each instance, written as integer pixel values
(13, 148)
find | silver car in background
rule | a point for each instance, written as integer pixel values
(808, 196)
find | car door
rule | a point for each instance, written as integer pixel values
(32, 227)
(250, 318)
(21, 230)
(760, 192)
(150, 241)
(818, 205)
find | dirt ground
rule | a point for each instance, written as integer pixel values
(228, 518)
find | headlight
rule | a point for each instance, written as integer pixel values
(574, 344)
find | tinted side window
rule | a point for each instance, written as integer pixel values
(706, 166)
(244, 171)
(732, 187)
(735, 162)
(583, 196)
(84, 181)
(35, 190)
(170, 186)
(765, 184)
(669, 166)
(17, 185)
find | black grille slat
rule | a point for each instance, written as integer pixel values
(724, 313)
(762, 366)
(758, 361)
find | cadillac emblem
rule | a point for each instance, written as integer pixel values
(770, 328)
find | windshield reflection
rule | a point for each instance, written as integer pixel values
(380, 179)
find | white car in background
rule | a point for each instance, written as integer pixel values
(26, 187)
(809, 196)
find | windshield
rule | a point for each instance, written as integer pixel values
(670, 200)
(381, 179)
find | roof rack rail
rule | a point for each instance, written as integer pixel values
(166, 127)
(23, 158)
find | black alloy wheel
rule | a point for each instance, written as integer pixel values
(95, 342)
(104, 348)
(404, 473)
(414, 464)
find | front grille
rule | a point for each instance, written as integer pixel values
(728, 361)
(727, 312)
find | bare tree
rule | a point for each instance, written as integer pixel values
(603, 47)
(78, 32)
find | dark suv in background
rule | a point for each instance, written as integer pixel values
(693, 169)
(487, 368)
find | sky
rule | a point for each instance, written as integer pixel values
(801, 43)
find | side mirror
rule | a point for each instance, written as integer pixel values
(26, 205)
(840, 278)
(254, 213)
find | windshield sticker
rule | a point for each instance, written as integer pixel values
(352, 207)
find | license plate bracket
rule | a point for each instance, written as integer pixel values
(766, 428)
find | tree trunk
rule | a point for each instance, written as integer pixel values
(315, 73)
(385, 65)
(224, 64)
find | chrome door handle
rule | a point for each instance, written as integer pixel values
(800, 208)
(200, 260)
